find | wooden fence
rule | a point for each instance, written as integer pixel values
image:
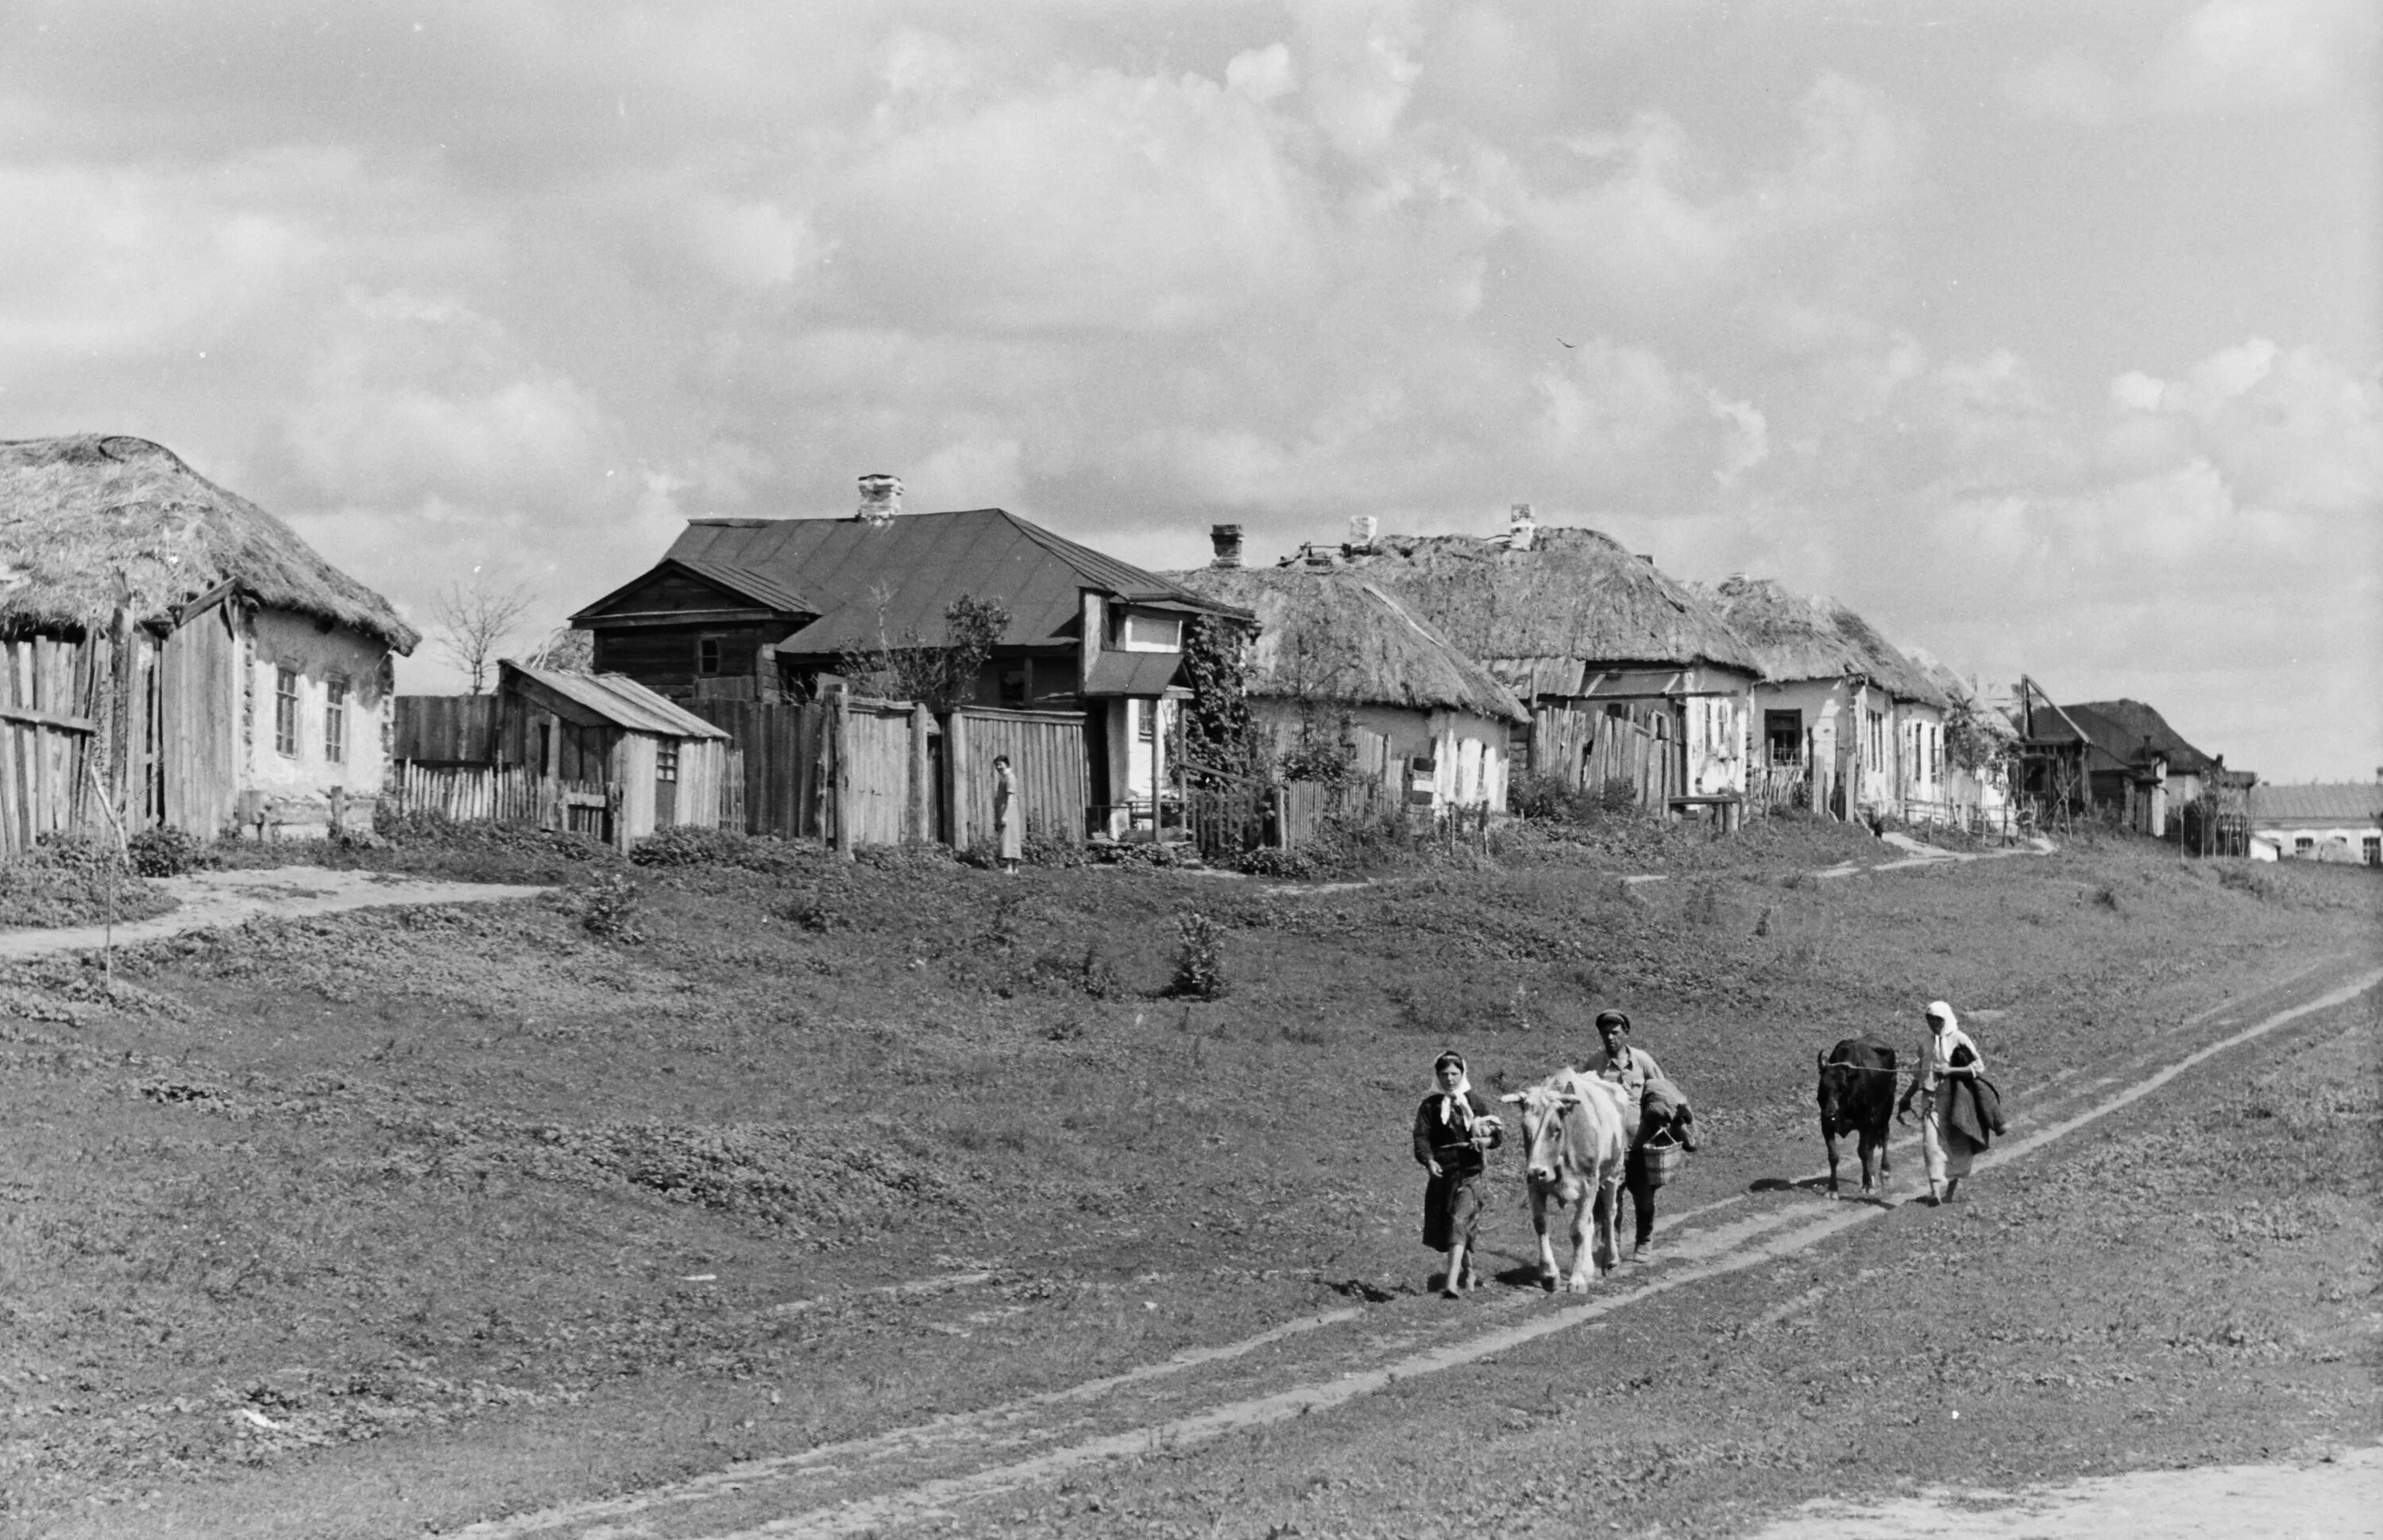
(1626, 752)
(50, 736)
(1049, 772)
(786, 751)
(447, 730)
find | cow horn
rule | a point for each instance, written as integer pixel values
(1512, 1096)
(1822, 1057)
(1567, 1101)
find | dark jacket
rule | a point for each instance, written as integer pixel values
(1448, 1143)
(1974, 1109)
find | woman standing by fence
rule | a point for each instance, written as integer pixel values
(1008, 819)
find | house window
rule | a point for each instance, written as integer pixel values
(335, 721)
(666, 759)
(1145, 720)
(2302, 845)
(1013, 684)
(285, 711)
(1877, 738)
(2371, 850)
(1783, 732)
(1142, 632)
(706, 656)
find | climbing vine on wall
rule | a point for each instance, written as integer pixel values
(1219, 734)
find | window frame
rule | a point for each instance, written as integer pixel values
(335, 721)
(708, 645)
(285, 711)
(666, 761)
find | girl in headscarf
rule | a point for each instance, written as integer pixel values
(1949, 1058)
(1454, 1131)
(1008, 828)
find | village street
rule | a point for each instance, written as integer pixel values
(2097, 1279)
(1104, 1436)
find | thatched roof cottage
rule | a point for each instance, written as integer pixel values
(1628, 673)
(1340, 661)
(1846, 717)
(182, 643)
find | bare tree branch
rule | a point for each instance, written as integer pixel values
(471, 617)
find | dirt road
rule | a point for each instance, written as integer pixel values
(946, 1470)
(208, 899)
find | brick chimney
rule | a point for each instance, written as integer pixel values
(1522, 530)
(881, 499)
(1227, 539)
(1363, 529)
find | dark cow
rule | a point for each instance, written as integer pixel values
(1858, 1097)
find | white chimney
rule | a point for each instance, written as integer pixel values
(1226, 540)
(1522, 530)
(881, 499)
(1363, 527)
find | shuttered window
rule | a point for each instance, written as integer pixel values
(666, 759)
(285, 711)
(335, 721)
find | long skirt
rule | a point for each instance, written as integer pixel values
(1011, 833)
(1945, 1149)
(1451, 1209)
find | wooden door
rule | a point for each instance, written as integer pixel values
(199, 712)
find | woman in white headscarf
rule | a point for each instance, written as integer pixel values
(1453, 1131)
(1949, 1058)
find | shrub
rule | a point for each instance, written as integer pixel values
(1090, 974)
(74, 850)
(1042, 848)
(1268, 861)
(806, 910)
(1200, 961)
(169, 852)
(609, 908)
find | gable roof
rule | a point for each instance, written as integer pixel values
(922, 562)
(2345, 802)
(1337, 635)
(1792, 636)
(761, 589)
(1577, 599)
(79, 514)
(2126, 728)
(1888, 668)
(618, 699)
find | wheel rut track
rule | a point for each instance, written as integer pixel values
(929, 1469)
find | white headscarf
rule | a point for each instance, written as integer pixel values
(1455, 1107)
(1938, 1010)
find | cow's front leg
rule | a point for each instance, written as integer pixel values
(1577, 1281)
(1885, 1159)
(1868, 1158)
(1547, 1247)
(1607, 1216)
(1829, 1138)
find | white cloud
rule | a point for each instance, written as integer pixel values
(2225, 55)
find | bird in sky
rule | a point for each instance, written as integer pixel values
(1568, 344)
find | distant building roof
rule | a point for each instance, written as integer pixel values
(918, 563)
(620, 700)
(2337, 803)
(2128, 728)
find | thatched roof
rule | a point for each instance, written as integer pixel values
(1576, 595)
(1337, 635)
(80, 516)
(1796, 637)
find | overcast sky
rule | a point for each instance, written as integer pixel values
(2046, 336)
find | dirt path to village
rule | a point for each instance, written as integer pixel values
(207, 899)
(945, 1471)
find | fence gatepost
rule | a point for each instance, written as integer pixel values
(922, 775)
(956, 773)
(840, 756)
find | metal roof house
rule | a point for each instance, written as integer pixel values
(2340, 820)
(771, 609)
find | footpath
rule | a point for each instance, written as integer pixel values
(209, 900)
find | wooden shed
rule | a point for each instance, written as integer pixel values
(625, 761)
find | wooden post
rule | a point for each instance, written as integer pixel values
(922, 776)
(840, 761)
(957, 776)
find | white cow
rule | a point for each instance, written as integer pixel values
(1574, 1142)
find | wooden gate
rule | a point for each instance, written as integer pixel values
(1048, 768)
(198, 683)
(784, 751)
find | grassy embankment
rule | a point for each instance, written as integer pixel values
(323, 1200)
